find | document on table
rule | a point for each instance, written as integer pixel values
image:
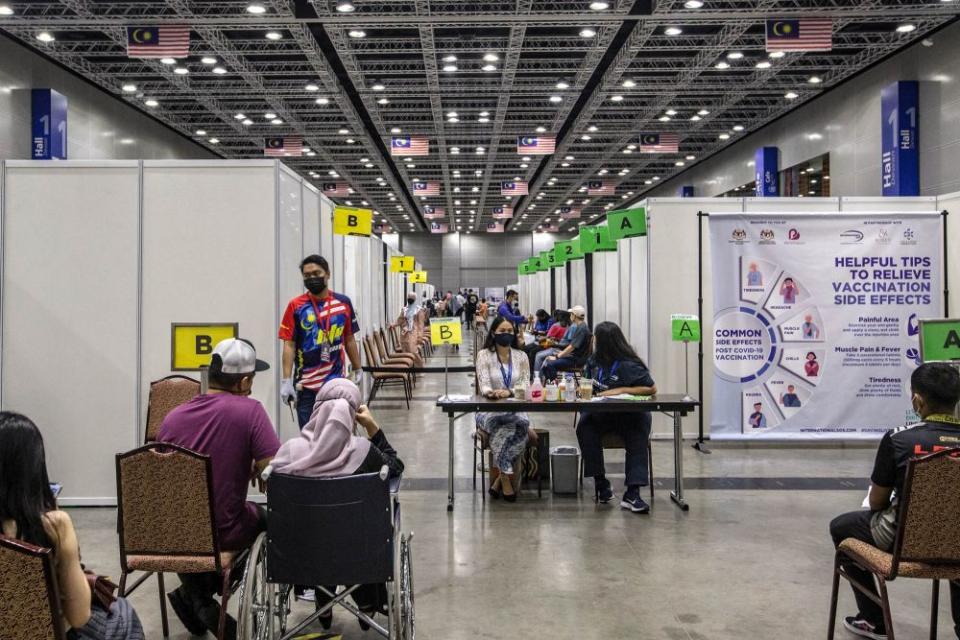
(620, 396)
(456, 397)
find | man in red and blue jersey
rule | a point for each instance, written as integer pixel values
(317, 328)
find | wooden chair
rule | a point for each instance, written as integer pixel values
(385, 378)
(613, 441)
(166, 394)
(926, 543)
(166, 518)
(29, 597)
(481, 445)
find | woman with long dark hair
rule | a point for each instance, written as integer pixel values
(500, 364)
(28, 512)
(615, 369)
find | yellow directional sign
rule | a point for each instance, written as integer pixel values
(348, 221)
(418, 277)
(191, 345)
(401, 264)
(445, 331)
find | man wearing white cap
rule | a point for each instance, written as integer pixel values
(236, 432)
(574, 354)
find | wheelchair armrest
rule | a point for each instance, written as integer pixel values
(394, 484)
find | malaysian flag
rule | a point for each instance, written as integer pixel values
(410, 146)
(601, 188)
(807, 34)
(426, 188)
(383, 228)
(502, 213)
(158, 42)
(659, 143)
(433, 212)
(536, 145)
(439, 227)
(335, 189)
(514, 188)
(567, 213)
(552, 228)
(494, 227)
(280, 147)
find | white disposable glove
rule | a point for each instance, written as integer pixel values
(356, 376)
(287, 393)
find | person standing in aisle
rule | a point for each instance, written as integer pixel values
(506, 308)
(317, 328)
(470, 308)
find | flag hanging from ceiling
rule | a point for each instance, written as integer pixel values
(601, 188)
(433, 212)
(335, 189)
(426, 188)
(158, 42)
(409, 146)
(502, 213)
(514, 188)
(439, 227)
(383, 227)
(494, 227)
(568, 213)
(807, 34)
(659, 143)
(552, 228)
(536, 145)
(280, 147)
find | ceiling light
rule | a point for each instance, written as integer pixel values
(738, 127)
(541, 130)
(201, 132)
(483, 120)
(693, 4)
(219, 71)
(763, 64)
(343, 132)
(269, 116)
(777, 54)
(673, 31)
(129, 88)
(151, 102)
(357, 33)
(631, 147)
(562, 85)
(695, 118)
(452, 114)
(703, 112)
(599, 6)
(671, 112)
(240, 116)
(276, 121)
(181, 71)
(617, 98)
(724, 136)
(45, 36)
(345, 7)
(790, 95)
(906, 28)
(396, 130)
(489, 67)
(350, 141)
(723, 65)
(585, 137)
(664, 118)
(274, 35)
(5, 10)
(450, 68)
(322, 101)
(454, 150)
(208, 60)
(592, 128)
(556, 99)
(247, 122)
(383, 101)
(491, 57)
(450, 58)
(691, 157)
(214, 141)
(587, 33)
(256, 8)
(734, 55)
(629, 84)
(484, 114)
(168, 61)
(815, 80)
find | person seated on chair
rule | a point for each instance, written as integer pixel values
(936, 391)
(327, 448)
(499, 364)
(574, 354)
(236, 432)
(28, 512)
(542, 324)
(616, 368)
(554, 334)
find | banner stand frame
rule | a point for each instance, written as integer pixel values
(699, 444)
(946, 267)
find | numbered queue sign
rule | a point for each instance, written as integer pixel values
(445, 331)
(350, 221)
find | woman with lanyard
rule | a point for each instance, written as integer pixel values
(616, 368)
(499, 364)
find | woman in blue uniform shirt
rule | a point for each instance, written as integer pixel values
(616, 368)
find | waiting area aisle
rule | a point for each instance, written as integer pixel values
(750, 560)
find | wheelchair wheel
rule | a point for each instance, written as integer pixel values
(253, 621)
(407, 614)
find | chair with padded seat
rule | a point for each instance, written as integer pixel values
(29, 597)
(925, 546)
(385, 378)
(166, 520)
(397, 357)
(166, 394)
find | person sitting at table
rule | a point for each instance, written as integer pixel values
(326, 447)
(574, 353)
(616, 368)
(556, 332)
(499, 364)
(542, 324)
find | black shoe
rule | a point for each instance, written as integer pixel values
(210, 615)
(510, 498)
(858, 626)
(187, 616)
(634, 503)
(326, 620)
(494, 493)
(603, 492)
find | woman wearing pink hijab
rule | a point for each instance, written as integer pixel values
(326, 447)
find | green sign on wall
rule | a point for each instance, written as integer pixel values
(940, 340)
(564, 251)
(685, 328)
(550, 258)
(605, 241)
(627, 223)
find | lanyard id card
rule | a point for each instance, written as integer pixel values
(326, 344)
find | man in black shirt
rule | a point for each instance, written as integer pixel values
(936, 391)
(470, 308)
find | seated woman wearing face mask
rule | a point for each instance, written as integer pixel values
(499, 365)
(410, 329)
(327, 448)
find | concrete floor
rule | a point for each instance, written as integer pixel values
(742, 564)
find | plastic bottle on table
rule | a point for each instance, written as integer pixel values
(570, 389)
(535, 391)
(550, 391)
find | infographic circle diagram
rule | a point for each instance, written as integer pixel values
(772, 344)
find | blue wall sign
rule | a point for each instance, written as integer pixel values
(767, 161)
(900, 157)
(686, 191)
(49, 135)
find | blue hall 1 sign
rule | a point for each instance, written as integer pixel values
(48, 140)
(900, 157)
(766, 161)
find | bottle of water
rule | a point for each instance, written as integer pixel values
(570, 391)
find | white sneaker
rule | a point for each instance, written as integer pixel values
(308, 595)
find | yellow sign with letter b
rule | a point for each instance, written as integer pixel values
(348, 221)
(191, 345)
(445, 331)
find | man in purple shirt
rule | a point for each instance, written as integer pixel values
(235, 431)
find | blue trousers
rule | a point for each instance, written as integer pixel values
(634, 428)
(550, 367)
(305, 400)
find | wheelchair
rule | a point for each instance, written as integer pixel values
(328, 531)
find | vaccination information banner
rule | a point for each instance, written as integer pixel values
(815, 330)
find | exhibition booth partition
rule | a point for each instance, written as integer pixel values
(100, 261)
(671, 271)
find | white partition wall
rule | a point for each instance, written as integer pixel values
(70, 321)
(560, 288)
(578, 283)
(311, 219)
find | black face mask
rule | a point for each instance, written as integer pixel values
(503, 339)
(316, 286)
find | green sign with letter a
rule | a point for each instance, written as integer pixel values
(685, 327)
(940, 340)
(627, 223)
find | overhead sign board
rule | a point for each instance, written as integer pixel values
(192, 344)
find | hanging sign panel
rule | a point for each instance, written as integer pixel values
(815, 329)
(192, 344)
(445, 331)
(49, 131)
(348, 221)
(401, 264)
(900, 157)
(627, 223)
(684, 328)
(939, 340)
